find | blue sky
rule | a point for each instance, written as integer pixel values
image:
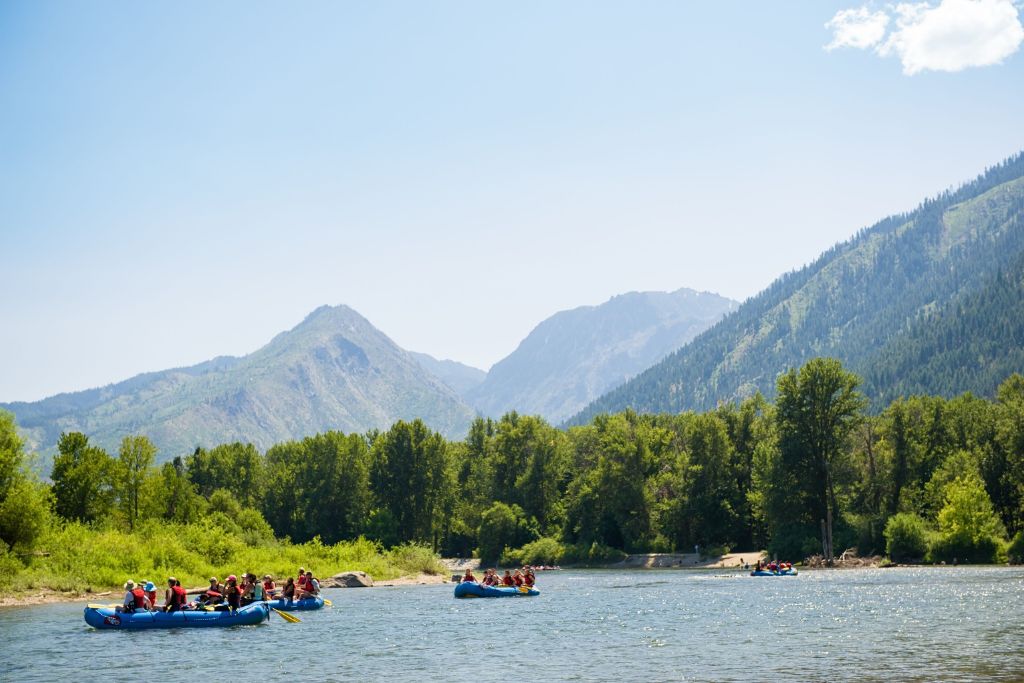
(185, 180)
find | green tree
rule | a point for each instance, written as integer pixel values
(1004, 469)
(25, 503)
(713, 488)
(817, 408)
(83, 479)
(503, 526)
(531, 458)
(236, 467)
(135, 457)
(612, 502)
(906, 537)
(319, 487)
(969, 529)
(179, 500)
(410, 478)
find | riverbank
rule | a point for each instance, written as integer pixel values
(687, 561)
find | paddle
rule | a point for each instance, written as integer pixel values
(328, 602)
(96, 605)
(287, 617)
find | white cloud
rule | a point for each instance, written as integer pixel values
(860, 28)
(952, 36)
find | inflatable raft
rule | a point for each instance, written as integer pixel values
(766, 572)
(470, 589)
(107, 617)
(297, 605)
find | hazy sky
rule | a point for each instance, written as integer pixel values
(180, 181)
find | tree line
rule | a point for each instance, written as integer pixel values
(927, 478)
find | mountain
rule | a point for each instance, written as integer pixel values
(459, 376)
(929, 301)
(332, 371)
(576, 355)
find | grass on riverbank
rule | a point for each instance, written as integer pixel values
(78, 558)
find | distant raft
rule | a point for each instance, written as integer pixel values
(768, 572)
(471, 589)
(108, 617)
(302, 605)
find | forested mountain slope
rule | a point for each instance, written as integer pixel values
(572, 357)
(927, 301)
(332, 371)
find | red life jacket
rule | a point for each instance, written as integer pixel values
(517, 579)
(180, 597)
(152, 597)
(140, 598)
(507, 581)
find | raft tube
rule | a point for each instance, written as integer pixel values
(297, 605)
(471, 589)
(106, 617)
(765, 572)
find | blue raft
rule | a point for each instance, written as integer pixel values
(107, 617)
(297, 605)
(470, 589)
(765, 572)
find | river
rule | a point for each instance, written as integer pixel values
(955, 623)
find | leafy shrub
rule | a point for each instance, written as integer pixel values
(541, 551)
(969, 530)
(1015, 551)
(415, 559)
(906, 537)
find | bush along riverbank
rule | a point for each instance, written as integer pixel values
(75, 561)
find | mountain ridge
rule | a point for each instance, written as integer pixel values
(333, 370)
(574, 355)
(854, 301)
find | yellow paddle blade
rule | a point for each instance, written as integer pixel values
(287, 617)
(96, 605)
(328, 602)
(524, 589)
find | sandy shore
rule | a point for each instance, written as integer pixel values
(417, 580)
(687, 561)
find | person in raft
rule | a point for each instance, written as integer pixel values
(232, 593)
(269, 587)
(529, 578)
(507, 579)
(490, 578)
(214, 593)
(311, 587)
(517, 579)
(175, 598)
(150, 589)
(468, 576)
(300, 581)
(134, 598)
(288, 592)
(256, 589)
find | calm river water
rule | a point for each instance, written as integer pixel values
(963, 623)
